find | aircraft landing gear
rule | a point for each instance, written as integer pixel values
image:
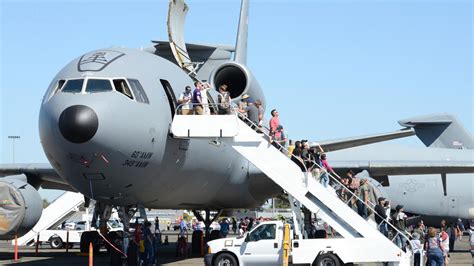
(125, 214)
(103, 212)
(207, 221)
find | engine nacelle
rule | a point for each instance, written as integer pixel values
(239, 81)
(20, 207)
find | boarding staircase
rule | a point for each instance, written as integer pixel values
(59, 210)
(372, 246)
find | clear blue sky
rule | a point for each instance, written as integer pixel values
(332, 68)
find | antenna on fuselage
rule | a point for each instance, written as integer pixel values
(240, 55)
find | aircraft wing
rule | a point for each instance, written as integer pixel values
(37, 174)
(383, 168)
(339, 144)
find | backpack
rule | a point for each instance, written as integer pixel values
(223, 99)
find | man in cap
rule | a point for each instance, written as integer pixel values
(381, 216)
(251, 112)
(185, 101)
(243, 103)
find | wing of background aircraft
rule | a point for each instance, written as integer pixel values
(37, 175)
(383, 168)
(339, 144)
(435, 131)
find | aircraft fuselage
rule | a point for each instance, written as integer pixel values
(424, 194)
(115, 147)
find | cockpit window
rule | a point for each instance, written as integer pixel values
(53, 88)
(138, 91)
(98, 85)
(122, 87)
(73, 85)
(59, 85)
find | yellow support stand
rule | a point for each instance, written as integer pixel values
(286, 244)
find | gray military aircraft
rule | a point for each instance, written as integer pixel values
(105, 128)
(429, 190)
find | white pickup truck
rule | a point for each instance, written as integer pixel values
(272, 243)
(58, 238)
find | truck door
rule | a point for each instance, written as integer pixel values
(261, 246)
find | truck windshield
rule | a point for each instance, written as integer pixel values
(264, 231)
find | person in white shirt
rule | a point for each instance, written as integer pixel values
(184, 100)
(204, 89)
(417, 248)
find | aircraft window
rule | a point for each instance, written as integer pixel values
(98, 85)
(138, 91)
(73, 85)
(53, 88)
(60, 85)
(122, 87)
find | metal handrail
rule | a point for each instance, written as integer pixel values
(269, 137)
(337, 180)
(214, 105)
(235, 111)
(353, 194)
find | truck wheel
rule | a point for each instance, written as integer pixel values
(327, 259)
(225, 259)
(56, 242)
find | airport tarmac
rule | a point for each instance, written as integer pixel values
(47, 256)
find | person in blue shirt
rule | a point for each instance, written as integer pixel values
(183, 228)
(224, 228)
(197, 98)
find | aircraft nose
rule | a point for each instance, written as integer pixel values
(78, 123)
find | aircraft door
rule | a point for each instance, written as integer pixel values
(176, 17)
(261, 246)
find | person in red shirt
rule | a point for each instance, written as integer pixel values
(275, 134)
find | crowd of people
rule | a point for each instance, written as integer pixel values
(196, 102)
(145, 241)
(357, 193)
(431, 244)
(435, 244)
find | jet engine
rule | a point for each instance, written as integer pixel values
(239, 81)
(20, 207)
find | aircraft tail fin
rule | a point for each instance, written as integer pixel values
(440, 131)
(240, 55)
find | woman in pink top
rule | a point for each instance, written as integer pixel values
(326, 169)
(274, 123)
